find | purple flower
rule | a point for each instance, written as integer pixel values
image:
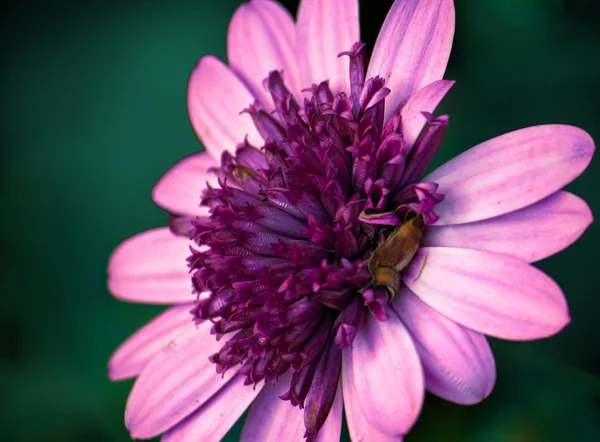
(321, 270)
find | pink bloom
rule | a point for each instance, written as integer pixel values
(323, 272)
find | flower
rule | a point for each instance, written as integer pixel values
(323, 272)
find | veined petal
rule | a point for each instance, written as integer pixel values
(216, 96)
(136, 352)
(150, 267)
(413, 47)
(382, 355)
(360, 430)
(326, 28)
(332, 428)
(214, 419)
(175, 383)
(179, 189)
(425, 100)
(458, 363)
(262, 38)
(531, 233)
(271, 418)
(509, 172)
(493, 294)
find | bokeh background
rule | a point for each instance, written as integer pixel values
(93, 111)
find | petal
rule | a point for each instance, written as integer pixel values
(262, 38)
(326, 28)
(151, 267)
(214, 419)
(332, 428)
(384, 355)
(216, 96)
(493, 294)
(458, 363)
(531, 233)
(359, 428)
(425, 100)
(413, 47)
(179, 189)
(510, 172)
(271, 418)
(175, 383)
(136, 352)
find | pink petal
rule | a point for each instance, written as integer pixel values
(493, 294)
(214, 419)
(151, 267)
(425, 100)
(175, 383)
(216, 96)
(272, 419)
(137, 351)
(262, 38)
(531, 233)
(326, 28)
(413, 47)
(458, 363)
(179, 189)
(359, 428)
(332, 428)
(510, 172)
(384, 356)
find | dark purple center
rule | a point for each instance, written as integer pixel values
(284, 272)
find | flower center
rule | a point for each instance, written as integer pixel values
(309, 232)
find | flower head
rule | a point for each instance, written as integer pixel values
(323, 271)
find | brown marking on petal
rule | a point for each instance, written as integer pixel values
(368, 215)
(242, 173)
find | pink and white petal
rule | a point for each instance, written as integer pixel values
(492, 294)
(214, 419)
(175, 383)
(383, 354)
(360, 430)
(179, 189)
(216, 96)
(262, 38)
(326, 28)
(413, 47)
(531, 233)
(425, 100)
(138, 350)
(458, 363)
(151, 267)
(271, 418)
(332, 428)
(509, 172)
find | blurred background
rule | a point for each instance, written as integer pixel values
(93, 111)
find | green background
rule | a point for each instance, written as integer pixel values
(93, 111)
